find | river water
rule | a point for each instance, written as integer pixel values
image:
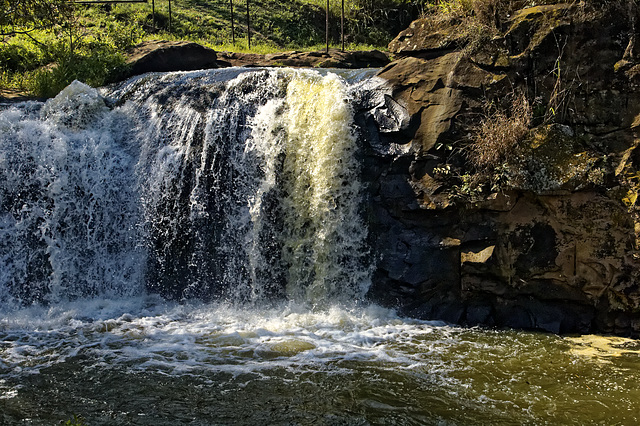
(190, 248)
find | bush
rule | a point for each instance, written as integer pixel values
(497, 136)
(94, 69)
(75, 421)
(19, 57)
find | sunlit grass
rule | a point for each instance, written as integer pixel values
(43, 63)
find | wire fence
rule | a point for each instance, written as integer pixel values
(233, 35)
(361, 21)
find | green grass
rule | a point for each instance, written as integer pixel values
(91, 47)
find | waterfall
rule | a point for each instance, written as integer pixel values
(241, 185)
(68, 214)
(186, 248)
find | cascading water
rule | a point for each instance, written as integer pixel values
(242, 185)
(68, 214)
(191, 248)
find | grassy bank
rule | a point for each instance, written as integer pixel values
(90, 44)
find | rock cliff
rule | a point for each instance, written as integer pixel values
(474, 225)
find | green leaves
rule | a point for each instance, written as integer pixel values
(25, 16)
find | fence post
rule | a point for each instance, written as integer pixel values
(153, 13)
(342, 26)
(326, 31)
(248, 27)
(233, 31)
(169, 15)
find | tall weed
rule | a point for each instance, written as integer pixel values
(94, 69)
(497, 136)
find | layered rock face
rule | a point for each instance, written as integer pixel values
(550, 239)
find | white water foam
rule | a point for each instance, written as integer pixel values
(141, 334)
(68, 215)
(485, 371)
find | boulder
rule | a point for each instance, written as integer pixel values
(162, 56)
(423, 37)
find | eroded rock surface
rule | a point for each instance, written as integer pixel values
(317, 59)
(553, 245)
(153, 56)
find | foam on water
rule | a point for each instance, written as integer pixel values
(394, 362)
(141, 332)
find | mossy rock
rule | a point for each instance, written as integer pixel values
(531, 27)
(552, 158)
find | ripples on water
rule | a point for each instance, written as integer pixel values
(142, 361)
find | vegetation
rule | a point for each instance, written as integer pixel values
(477, 21)
(75, 421)
(502, 133)
(26, 16)
(498, 134)
(46, 44)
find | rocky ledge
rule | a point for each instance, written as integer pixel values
(162, 56)
(547, 235)
(318, 59)
(187, 56)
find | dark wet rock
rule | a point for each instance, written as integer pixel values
(557, 248)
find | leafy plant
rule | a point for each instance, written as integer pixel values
(75, 421)
(94, 69)
(27, 16)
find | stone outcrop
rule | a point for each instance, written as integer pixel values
(165, 56)
(161, 56)
(552, 242)
(318, 59)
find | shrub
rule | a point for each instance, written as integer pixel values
(473, 21)
(75, 421)
(497, 136)
(94, 69)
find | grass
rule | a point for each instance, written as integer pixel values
(75, 421)
(91, 45)
(495, 146)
